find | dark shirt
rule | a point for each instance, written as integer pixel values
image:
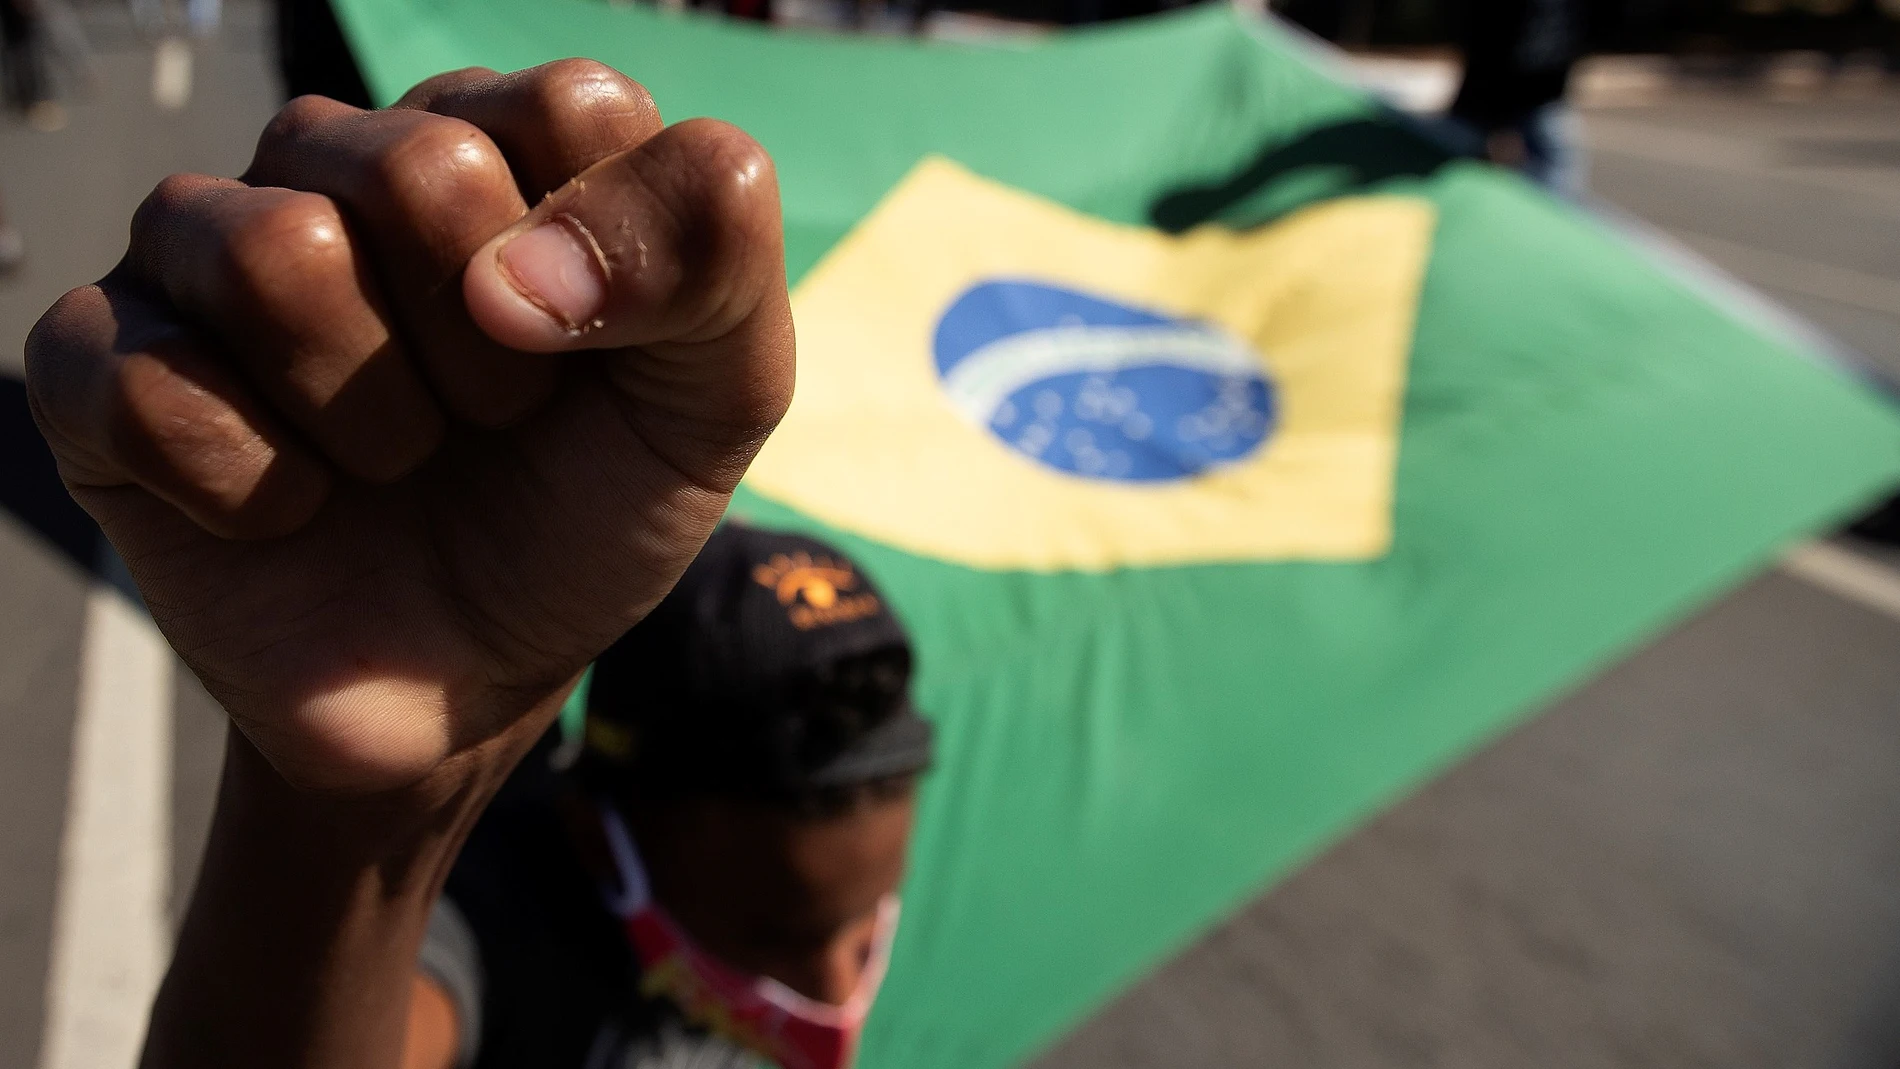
(538, 967)
(1518, 55)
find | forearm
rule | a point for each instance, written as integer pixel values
(299, 947)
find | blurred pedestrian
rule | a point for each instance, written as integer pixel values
(1510, 106)
(26, 85)
(34, 35)
(21, 83)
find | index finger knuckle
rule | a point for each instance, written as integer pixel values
(440, 168)
(290, 239)
(424, 93)
(297, 121)
(586, 93)
(174, 199)
(726, 190)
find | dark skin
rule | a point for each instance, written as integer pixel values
(762, 888)
(392, 455)
(774, 893)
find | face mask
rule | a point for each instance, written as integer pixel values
(756, 1012)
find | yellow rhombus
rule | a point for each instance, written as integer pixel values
(1325, 298)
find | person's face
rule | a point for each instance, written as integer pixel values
(776, 894)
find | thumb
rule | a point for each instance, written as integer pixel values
(670, 256)
(676, 240)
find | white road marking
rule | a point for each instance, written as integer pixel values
(110, 935)
(1846, 574)
(1796, 274)
(171, 74)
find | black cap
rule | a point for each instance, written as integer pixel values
(774, 665)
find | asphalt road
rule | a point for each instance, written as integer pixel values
(1694, 860)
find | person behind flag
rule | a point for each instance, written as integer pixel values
(714, 879)
(24, 79)
(1510, 107)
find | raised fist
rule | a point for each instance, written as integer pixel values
(392, 454)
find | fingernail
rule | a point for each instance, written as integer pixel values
(557, 267)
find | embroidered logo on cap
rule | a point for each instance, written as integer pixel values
(816, 591)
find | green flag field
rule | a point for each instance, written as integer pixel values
(1238, 460)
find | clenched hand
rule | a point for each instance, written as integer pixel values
(391, 454)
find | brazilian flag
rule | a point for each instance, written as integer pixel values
(1238, 459)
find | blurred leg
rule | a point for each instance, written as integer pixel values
(1555, 147)
(20, 55)
(12, 247)
(63, 35)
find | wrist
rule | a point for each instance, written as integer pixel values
(308, 911)
(343, 831)
(440, 799)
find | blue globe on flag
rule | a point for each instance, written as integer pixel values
(1096, 388)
